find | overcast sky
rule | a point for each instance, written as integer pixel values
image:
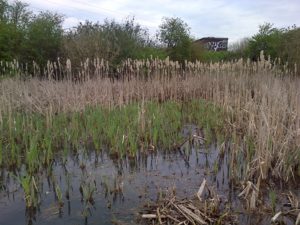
(234, 19)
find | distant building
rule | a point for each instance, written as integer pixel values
(213, 43)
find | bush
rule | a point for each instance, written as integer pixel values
(209, 56)
(111, 41)
(268, 39)
(290, 48)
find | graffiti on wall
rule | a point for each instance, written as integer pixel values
(214, 43)
(217, 45)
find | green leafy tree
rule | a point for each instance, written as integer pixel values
(3, 11)
(44, 38)
(174, 33)
(268, 39)
(290, 47)
(13, 23)
(19, 15)
(11, 40)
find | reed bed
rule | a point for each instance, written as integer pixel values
(261, 103)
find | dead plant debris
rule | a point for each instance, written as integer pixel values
(206, 207)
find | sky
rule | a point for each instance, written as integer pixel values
(235, 19)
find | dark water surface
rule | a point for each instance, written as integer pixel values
(123, 186)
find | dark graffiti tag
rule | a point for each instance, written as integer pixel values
(217, 45)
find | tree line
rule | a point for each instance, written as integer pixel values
(277, 43)
(27, 37)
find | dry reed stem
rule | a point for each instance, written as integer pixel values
(260, 104)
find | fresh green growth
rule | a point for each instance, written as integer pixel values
(59, 196)
(88, 189)
(122, 130)
(1, 152)
(30, 189)
(273, 199)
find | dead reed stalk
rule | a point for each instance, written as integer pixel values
(262, 105)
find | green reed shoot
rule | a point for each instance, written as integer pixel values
(59, 196)
(121, 130)
(30, 191)
(273, 199)
(1, 151)
(32, 156)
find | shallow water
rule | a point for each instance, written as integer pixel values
(123, 186)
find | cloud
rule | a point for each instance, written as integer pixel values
(71, 22)
(229, 18)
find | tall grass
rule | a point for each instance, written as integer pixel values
(261, 101)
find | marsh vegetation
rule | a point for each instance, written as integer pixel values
(252, 107)
(103, 122)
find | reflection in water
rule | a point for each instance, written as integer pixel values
(98, 189)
